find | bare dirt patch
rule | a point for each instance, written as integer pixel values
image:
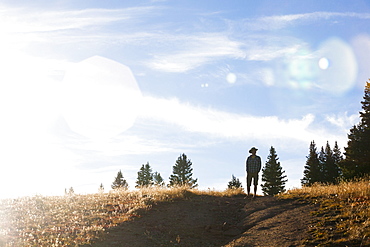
(203, 220)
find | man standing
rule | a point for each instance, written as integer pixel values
(253, 168)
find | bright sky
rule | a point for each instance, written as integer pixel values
(88, 88)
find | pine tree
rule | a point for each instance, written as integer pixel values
(234, 183)
(144, 176)
(71, 191)
(338, 158)
(321, 166)
(273, 175)
(182, 173)
(357, 154)
(119, 182)
(158, 180)
(312, 170)
(101, 188)
(330, 165)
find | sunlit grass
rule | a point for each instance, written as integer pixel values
(74, 220)
(344, 213)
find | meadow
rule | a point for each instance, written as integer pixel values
(75, 220)
(342, 217)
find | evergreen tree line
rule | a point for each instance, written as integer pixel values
(181, 176)
(273, 176)
(322, 167)
(329, 166)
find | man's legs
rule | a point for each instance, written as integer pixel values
(249, 182)
(255, 181)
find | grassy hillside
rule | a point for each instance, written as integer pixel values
(343, 217)
(75, 220)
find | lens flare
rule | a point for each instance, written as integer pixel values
(324, 63)
(332, 68)
(338, 65)
(299, 70)
(231, 78)
(102, 98)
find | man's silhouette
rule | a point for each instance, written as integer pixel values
(253, 167)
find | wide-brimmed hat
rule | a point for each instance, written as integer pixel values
(253, 148)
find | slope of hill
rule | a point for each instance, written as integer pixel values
(203, 220)
(320, 215)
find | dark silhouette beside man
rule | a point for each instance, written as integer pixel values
(253, 167)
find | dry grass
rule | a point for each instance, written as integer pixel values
(76, 220)
(344, 213)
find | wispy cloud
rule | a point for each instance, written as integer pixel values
(215, 123)
(271, 52)
(195, 50)
(281, 21)
(190, 51)
(343, 121)
(36, 20)
(168, 51)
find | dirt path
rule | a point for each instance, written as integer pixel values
(216, 221)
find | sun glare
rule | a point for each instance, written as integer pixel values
(28, 106)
